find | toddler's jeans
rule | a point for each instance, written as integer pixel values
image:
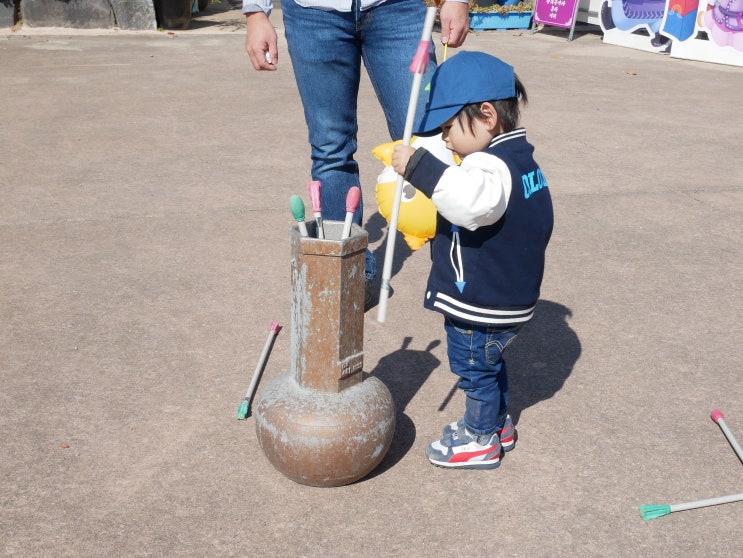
(476, 356)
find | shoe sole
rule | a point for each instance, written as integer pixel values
(466, 464)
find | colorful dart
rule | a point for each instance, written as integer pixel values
(659, 510)
(352, 203)
(314, 189)
(244, 409)
(719, 418)
(297, 206)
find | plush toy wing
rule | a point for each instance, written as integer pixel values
(417, 217)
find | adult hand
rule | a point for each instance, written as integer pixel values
(455, 23)
(260, 41)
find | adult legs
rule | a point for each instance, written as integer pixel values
(390, 35)
(326, 48)
(326, 56)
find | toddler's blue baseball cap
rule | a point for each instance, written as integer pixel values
(467, 77)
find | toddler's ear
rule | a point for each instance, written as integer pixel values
(491, 116)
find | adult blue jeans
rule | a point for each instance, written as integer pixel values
(476, 356)
(326, 50)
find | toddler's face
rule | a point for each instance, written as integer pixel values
(464, 139)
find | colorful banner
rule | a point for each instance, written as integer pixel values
(559, 13)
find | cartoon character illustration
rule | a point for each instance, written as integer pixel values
(417, 217)
(693, 29)
(681, 18)
(724, 21)
(629, 15)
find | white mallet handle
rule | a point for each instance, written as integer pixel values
(274, 330)
(708, 502)
(384, 293)
(320, 229)
(719, 418)
(347, 226)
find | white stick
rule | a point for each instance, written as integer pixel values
(708, 502)
(347, 226)
(731, 439)
(320, 229)
(719, 418)
(392, 232)
(274, 330)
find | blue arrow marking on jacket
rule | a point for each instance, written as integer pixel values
(455, 255)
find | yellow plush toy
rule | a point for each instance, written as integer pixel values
(417, 217)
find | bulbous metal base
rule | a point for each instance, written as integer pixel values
(324, 439)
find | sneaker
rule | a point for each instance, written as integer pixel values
(463, 450)
(506, 434)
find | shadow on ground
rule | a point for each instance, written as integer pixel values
(376, 227)
(223, 14)
(404, 371)
(540, 360)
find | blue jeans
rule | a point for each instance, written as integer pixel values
(476, 356)
(326, 50)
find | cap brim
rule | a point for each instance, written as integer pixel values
(435, 118)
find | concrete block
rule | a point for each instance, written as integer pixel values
(136, 15)
(89, 14)
(7, 12)
(79, 14)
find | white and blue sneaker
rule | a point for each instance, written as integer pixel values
(506, 433)
(460, 449)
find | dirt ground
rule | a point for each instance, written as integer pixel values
(144, 251)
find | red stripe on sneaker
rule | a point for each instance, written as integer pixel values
(508, 440)
(467, 455)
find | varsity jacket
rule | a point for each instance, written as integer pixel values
(493, 225)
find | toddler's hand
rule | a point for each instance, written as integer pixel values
(400, 157)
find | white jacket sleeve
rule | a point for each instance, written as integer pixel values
(257, 6)
(474, 194)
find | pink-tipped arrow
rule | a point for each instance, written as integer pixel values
(719, 418)
(352, 203)
(314, 187)
(244, 408)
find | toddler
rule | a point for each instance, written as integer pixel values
(493, 225)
